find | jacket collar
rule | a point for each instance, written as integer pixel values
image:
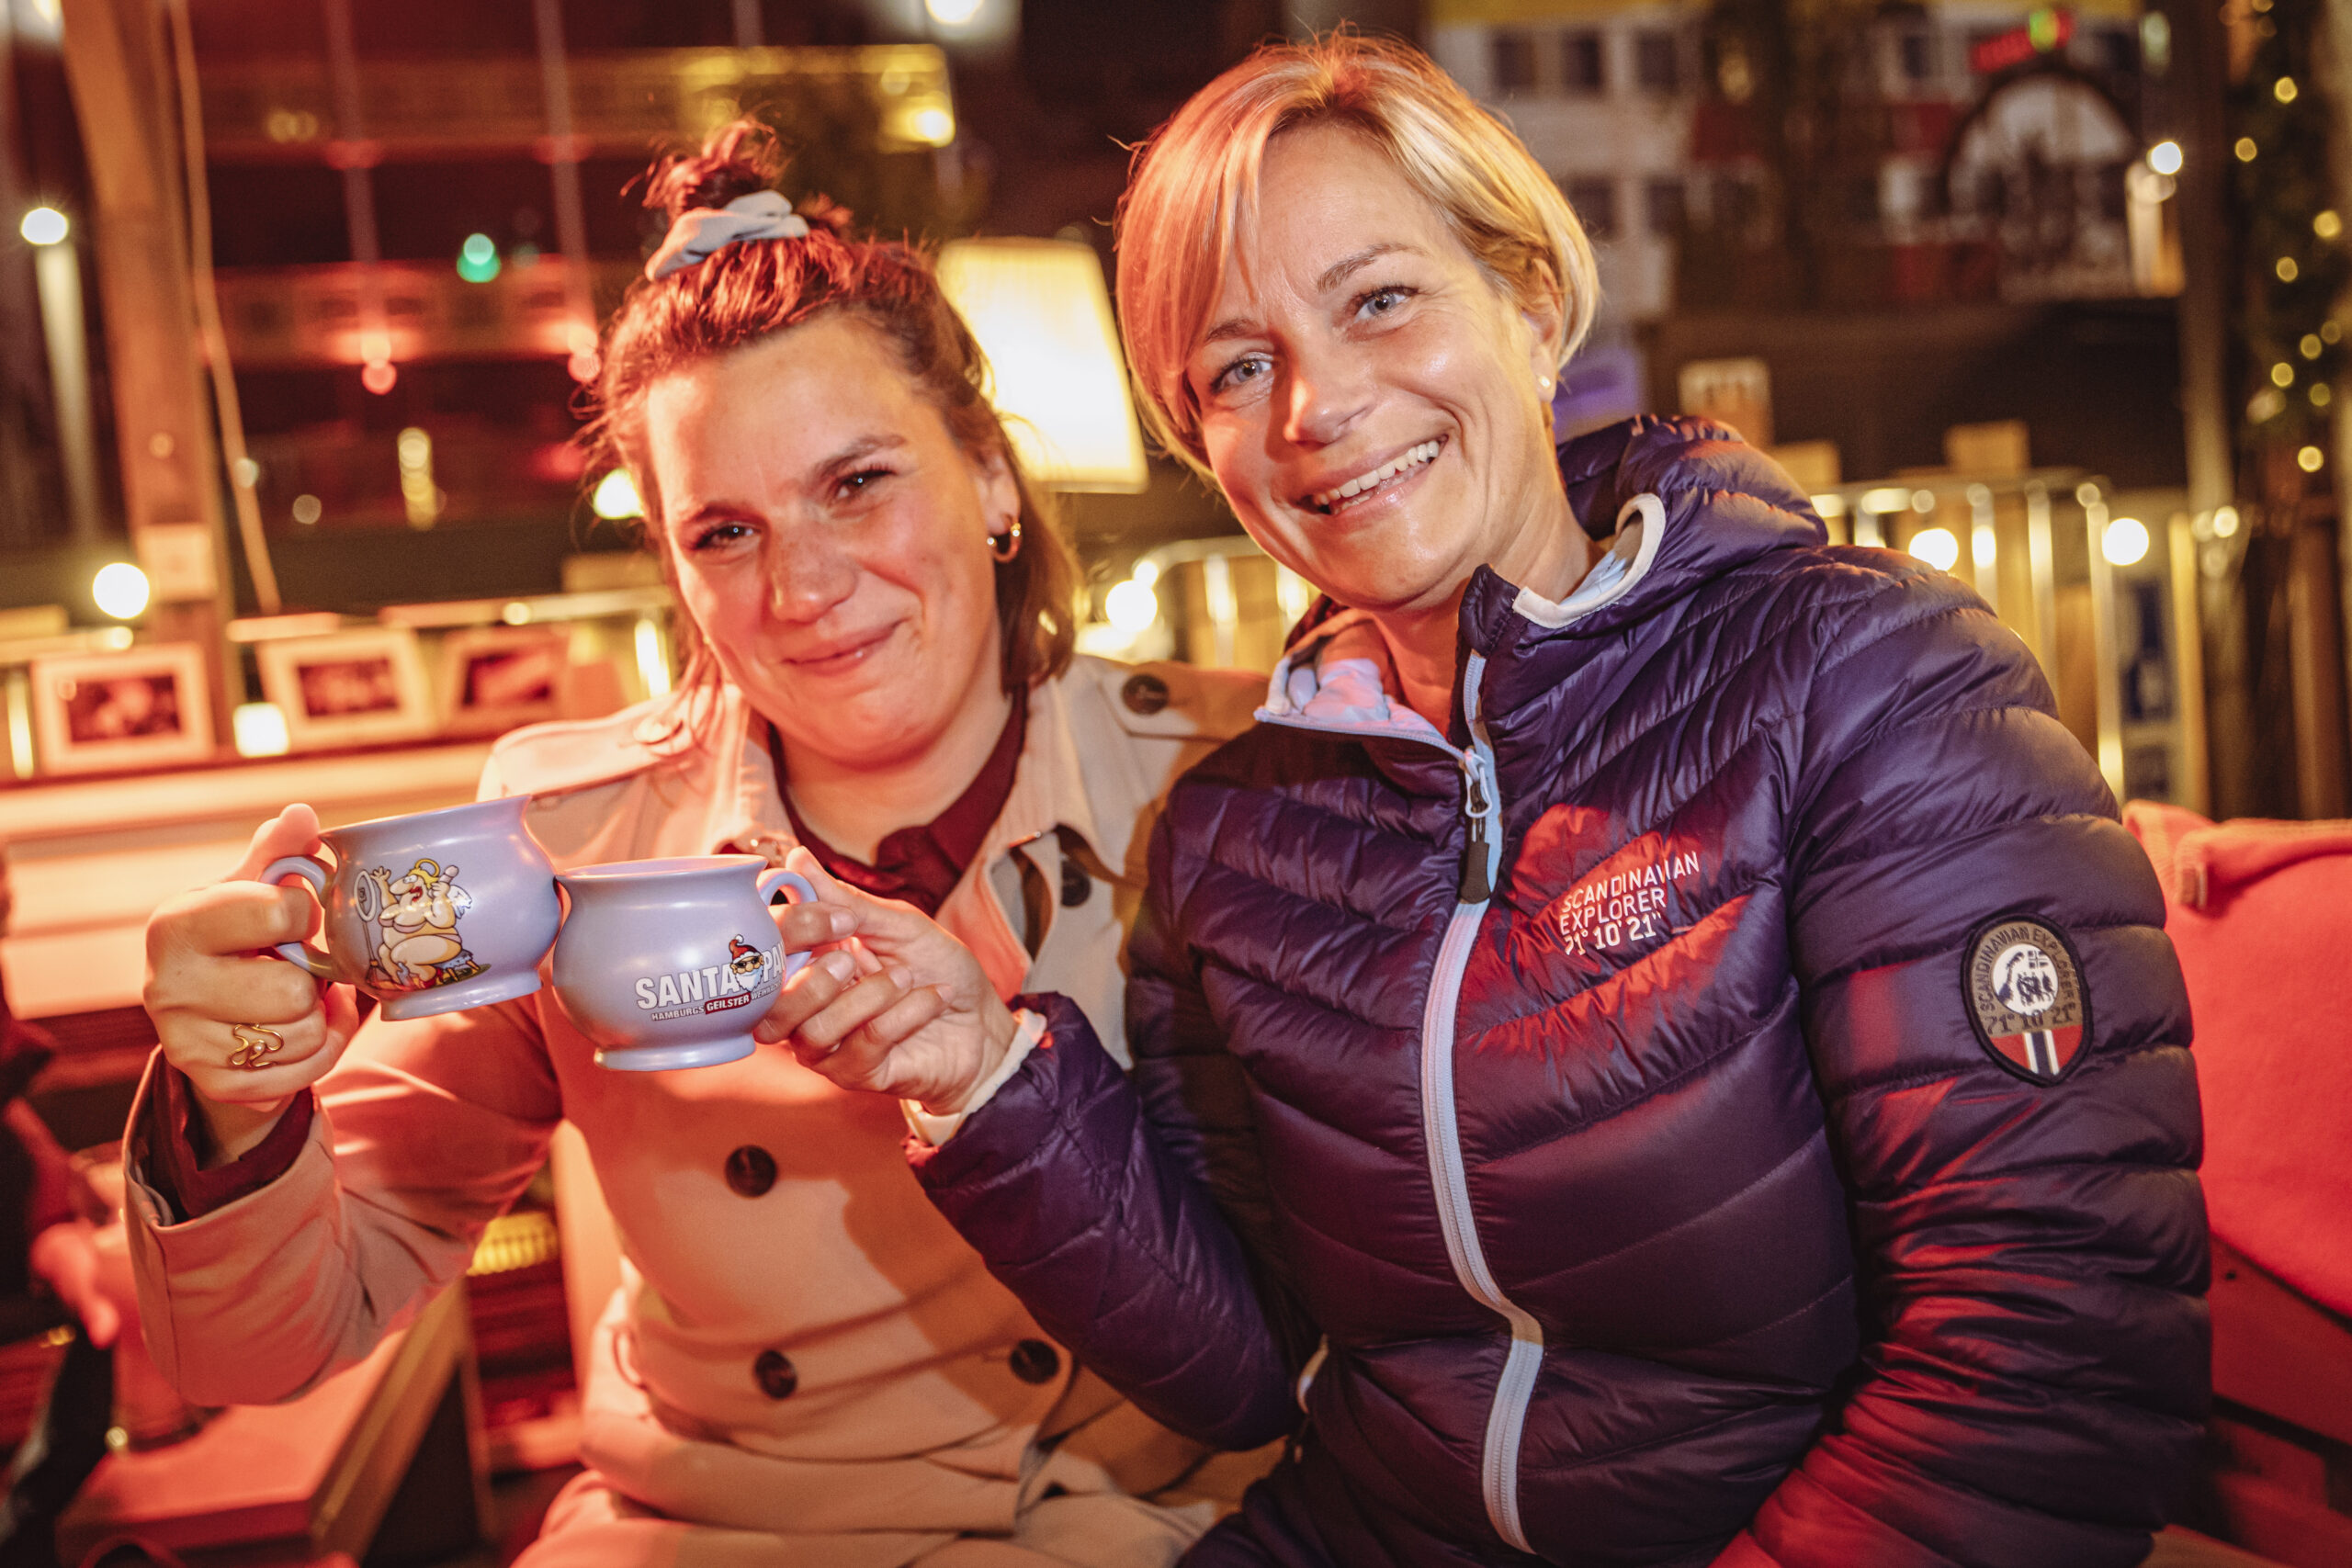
(1721, 505)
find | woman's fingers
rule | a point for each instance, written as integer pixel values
(226, 918)
(801, 927)
(293, 831)
(247, 1029)
(859, 1003)
(865, 1057)
(253, 1064)
(867, 1049)
(805, 994)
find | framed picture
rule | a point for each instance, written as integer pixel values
(494, 678)
(142, 707)
(348, 688)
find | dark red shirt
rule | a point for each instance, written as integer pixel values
(922, 864)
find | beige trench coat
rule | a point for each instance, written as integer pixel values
(806, 1368)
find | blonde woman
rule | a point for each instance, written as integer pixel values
(1656, 1044)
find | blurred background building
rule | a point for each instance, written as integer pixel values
(305, 290)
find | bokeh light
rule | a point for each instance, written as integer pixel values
(1939, 547)
(615, 497)
(1131, 606)
(120, 590)
(2125, 542)
(259, 729)
(44, 226)
(477, 259)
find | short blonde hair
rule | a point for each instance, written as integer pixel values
(1197, 178)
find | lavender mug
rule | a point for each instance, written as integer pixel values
(433, 912)
(669, 962)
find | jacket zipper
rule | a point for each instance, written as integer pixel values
(1482, 808)
(1441, 1128)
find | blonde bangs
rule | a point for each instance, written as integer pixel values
(1195, 180)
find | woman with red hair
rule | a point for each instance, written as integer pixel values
(805, 1367)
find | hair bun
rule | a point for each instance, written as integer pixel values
(822, 211)
(737, 159)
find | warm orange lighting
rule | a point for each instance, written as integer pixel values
(1043, 316)
(380, 377)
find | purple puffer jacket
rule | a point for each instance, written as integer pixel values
(1808, 1142)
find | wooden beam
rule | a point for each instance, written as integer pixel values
(119, 66)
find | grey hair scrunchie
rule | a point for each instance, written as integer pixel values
(700, 231)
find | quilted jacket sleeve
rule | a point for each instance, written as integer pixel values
(2033, 1255)
(1090, 1198)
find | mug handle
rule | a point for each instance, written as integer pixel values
(774, 878)
(301, 954)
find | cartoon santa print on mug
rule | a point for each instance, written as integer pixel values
(2026, 997)
(750, 974)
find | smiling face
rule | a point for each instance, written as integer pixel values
(1373, 403)
(829, 536)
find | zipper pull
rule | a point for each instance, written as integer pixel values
(1482, 807)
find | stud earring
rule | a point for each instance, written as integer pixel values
(1003, 546)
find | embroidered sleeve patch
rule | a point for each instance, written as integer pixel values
(2026, 997)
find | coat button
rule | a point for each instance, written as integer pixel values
(777, 1376)
(751, 1170)
(1033, 1361)
(1077, 886)
(1145, 695)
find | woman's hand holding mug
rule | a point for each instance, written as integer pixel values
(924, 1023)
(215, 988)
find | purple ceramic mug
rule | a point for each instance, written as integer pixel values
(669, 962)
(433, 912)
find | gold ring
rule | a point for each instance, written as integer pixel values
(255, 1045)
